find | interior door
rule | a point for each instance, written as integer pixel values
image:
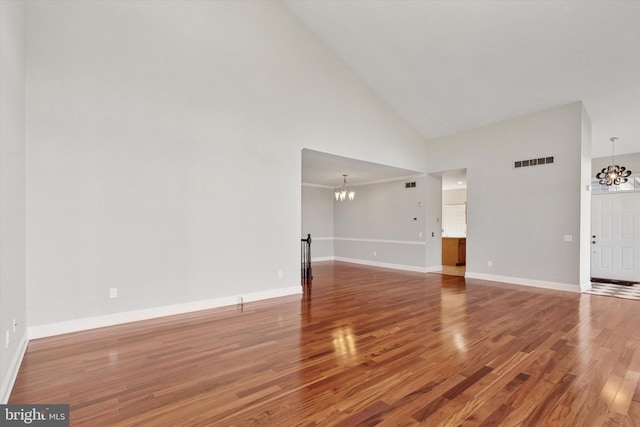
(615, 232)
(454, 221)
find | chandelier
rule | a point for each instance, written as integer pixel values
(613, 174)
(344, 192)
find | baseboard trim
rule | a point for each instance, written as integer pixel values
(524, 282)
(388, 265)
(322, 258)
(12, 373)
(76, 325)
(393, 242)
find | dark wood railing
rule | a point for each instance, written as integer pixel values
(305, 254)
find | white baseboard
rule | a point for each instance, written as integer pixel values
(393, 242)
(12, 373)
(322, 258)
(524, 282)
(76, 325)
(389, 265)
(585, 286)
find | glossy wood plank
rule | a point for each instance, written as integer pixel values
(361, 346)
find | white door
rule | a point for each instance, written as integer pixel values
(454, 221)
(615, 236)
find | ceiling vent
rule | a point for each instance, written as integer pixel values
(533, 162)
(410, 184)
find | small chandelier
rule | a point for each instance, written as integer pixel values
(613, 174)
(344, 192)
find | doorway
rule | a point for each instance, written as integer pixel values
(615, 236)
(454, 222)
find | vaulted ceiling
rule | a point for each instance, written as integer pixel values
(449, 66)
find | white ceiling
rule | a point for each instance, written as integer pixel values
(454, 180)
(449, 66)
(327, 169)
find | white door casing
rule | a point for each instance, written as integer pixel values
(615, 236)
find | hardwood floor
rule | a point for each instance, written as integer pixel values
(452, 270)
(363, 346)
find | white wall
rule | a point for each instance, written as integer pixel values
(585, 201)
(454, 197)
(433, 215)
(12, 192)
(384, 224)
(317, 220)
(379, 220)
(517, 218)
(163, 149)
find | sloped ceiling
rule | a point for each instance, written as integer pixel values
(449, 66)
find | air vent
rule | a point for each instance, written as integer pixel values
(533, 162)
(409, 184)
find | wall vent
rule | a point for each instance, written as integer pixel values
(409, 184)
(533, 162)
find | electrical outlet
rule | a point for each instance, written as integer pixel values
(375, 253)
(489, 263)
(113, 293)
(420, 234)
(6, 339)
(280, 274)
(568, 237)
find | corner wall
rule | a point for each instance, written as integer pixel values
(12, 194)
(517, 218)
(163, 159)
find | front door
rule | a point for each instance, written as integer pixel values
(615, 236)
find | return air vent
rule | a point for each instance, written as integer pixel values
(533, 162)
(409, 184)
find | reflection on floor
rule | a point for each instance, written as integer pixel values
(613, 290)
(452, 270)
